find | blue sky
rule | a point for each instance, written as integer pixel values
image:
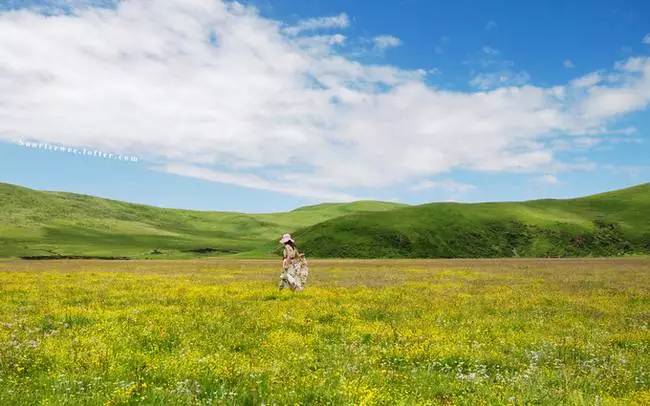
(275, 104)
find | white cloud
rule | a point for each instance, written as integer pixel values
(319, 23)
(588, 80)
(320, 44)
(57, 6)
(490, 51)
(547, 179)
(595, 137)
(568, 63)
(215, 91)
(646, 39)
(336, 39)
(252, 181)
(490, 25)
(626, 91)
(383, 42)
(494, 70)
(444, 185)
(492, 80)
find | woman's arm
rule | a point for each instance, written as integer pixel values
(285, 258)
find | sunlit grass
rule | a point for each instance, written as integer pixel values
(363, 332)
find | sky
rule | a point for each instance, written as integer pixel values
(268, 105)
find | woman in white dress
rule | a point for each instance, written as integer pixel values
(294, 266)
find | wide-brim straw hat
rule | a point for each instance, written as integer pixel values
(286, 238)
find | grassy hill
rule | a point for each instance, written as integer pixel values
(606, 224)
(37, 223)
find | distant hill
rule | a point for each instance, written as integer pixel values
(55, 224)
(36, 223)
(612, 223)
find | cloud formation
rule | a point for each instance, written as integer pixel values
(547, 179)
(383, 42)
(568, 63)
(502, 78)
(495, 71)
(311, 24)
(445, 185)
(213, 90)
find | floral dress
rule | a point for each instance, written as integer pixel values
(295, 269)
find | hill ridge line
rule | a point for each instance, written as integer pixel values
(311, 206)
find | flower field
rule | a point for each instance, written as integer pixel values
(363, 332)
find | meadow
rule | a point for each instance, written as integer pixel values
(571, 331)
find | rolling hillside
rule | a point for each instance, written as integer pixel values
(613, 223)
(36, 223)
(54, 224)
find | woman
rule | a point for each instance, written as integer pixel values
(294, 266)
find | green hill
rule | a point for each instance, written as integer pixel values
(613, 223)
(53, 224)
(36, 223)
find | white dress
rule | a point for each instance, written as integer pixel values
(295, 269)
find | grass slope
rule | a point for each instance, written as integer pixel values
(36, 223)
(612, 223)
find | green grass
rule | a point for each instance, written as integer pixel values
(614, 223)
(571, 332)
(36, 223)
